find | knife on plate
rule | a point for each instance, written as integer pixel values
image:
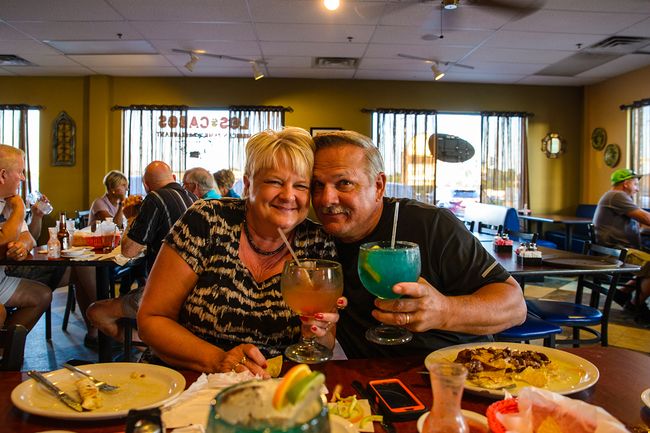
(363, 393)
(65, 398)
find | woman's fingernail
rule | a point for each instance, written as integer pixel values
(340, 302)
(318, 316)
(314, 328)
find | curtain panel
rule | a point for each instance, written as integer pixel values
(402, 137)
(152, 133)
(639, 132)
(14, 131)
(504, 159)
(246, 121)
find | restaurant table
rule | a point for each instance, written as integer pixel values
(102, 267)
(569, 221)
(520, 272)
(624, 374)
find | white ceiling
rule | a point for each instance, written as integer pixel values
(502, 45)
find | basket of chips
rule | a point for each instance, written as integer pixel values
(508, 405)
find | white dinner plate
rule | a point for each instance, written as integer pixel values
(339, 424)
(142, 386)
(645, 396)
(475, 416)
(574, 373)
(76, 252)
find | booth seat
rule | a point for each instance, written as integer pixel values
(496, 215)
(580, 232)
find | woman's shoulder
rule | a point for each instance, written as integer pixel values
(231, 211)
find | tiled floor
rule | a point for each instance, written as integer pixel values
(64, 346)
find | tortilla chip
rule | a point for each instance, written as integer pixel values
(549, 425)
(535, 377)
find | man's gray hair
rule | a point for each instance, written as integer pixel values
(375, 162)
(201, 177)
(9, 155)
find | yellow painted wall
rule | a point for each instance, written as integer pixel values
(602, 102)
(555, 183)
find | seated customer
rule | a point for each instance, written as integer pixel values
(462, 295)
(213, 301)
(110, 205)
(149, 223)
(225, 179)
(200, 182)
(616, 223)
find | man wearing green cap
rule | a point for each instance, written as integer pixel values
(616, 223)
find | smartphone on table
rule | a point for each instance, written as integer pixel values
(396, 400)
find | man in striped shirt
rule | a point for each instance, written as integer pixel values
(148, 224)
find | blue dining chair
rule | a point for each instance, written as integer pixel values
(533, 328)
(583, 317)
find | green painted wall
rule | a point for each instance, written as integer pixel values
(554, 183)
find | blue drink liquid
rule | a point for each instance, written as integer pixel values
(380, 267)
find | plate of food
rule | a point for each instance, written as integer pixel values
(494, 368)
(141, 386)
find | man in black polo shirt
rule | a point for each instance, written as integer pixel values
(149, 223)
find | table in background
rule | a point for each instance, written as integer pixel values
(520, 272)
(569, 221)
(624, 374)
(102, 267)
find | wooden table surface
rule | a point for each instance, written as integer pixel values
(624, 375)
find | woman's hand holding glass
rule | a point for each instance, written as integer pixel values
(322, 324)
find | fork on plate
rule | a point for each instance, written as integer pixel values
(102, 385)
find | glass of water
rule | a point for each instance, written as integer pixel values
(42, 203)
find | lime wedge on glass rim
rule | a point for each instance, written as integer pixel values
(306, 387)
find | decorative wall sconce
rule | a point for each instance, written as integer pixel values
(553, 145)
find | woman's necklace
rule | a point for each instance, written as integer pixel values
(257, 249)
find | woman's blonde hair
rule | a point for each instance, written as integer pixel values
(113, 178)
(294, 145)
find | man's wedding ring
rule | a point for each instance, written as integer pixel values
(243, 360)
(408, 318)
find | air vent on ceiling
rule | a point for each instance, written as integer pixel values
(13, 60)
(335, 62)
(621, 44)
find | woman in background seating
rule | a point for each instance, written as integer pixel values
(110, 205)
(225, 180)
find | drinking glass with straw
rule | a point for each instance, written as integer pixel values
(308, 287)
(381, 265)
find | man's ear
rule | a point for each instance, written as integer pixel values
(380, 184)
(3, 176)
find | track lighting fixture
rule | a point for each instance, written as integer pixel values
(257, 73)
(190, 65)
(437, 73)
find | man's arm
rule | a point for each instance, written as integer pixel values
(491, 309)
(12, 227)
(640, 215)
(130, 248)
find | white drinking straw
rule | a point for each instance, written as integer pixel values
(395, 216)
(286, 242)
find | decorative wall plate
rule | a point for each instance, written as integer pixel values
(598, 138)
(612, 154)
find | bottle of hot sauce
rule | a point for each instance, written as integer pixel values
(63, 235)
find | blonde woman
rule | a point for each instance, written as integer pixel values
(111, 204)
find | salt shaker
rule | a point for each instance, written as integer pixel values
(447, 381)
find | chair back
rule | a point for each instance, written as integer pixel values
(12, 341)
(82, 218)
(489, 229)
(469, 225)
